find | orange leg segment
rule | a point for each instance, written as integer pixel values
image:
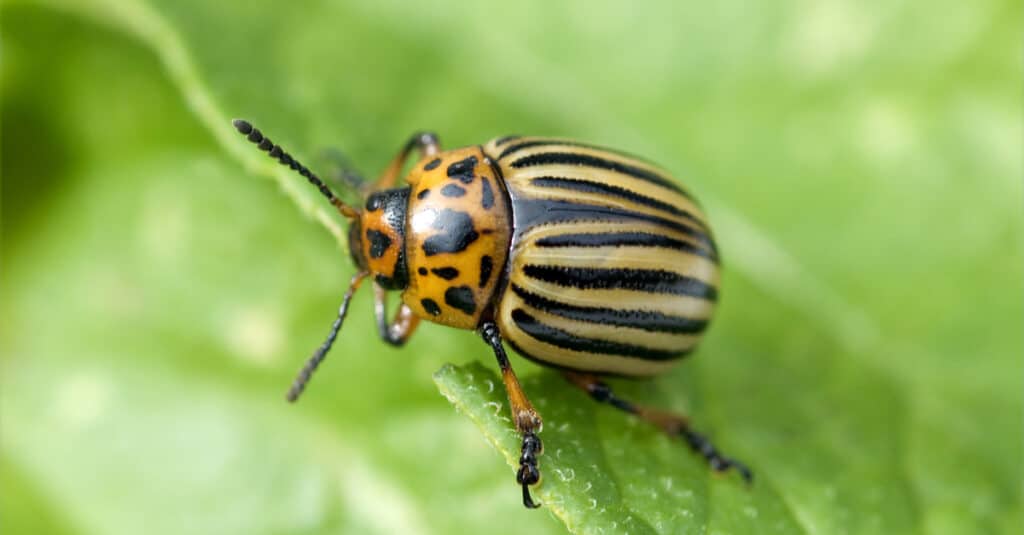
(427, 143)
(527, 421)
(672, 424)
(401, 327)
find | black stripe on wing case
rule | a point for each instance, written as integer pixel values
(623, 239)
(643, 280)
(586, 160)
(589, 186)
(565, 340)
(502, 140)
(535, 212)
(565, 142)
(636, 319)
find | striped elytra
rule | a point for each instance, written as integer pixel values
(585, 259)
(612, 267)
(605, 263)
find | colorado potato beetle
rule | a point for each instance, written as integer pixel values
(581, 258)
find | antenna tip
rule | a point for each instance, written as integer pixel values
(242, 126)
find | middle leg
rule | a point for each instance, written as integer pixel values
(527, 421)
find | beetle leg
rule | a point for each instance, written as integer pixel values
(343, 170)
(427, 143)
(527, 421)
(671, 424)
(401, 327)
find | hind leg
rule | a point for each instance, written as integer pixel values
(672, 424)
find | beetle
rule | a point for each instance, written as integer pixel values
(581, 258)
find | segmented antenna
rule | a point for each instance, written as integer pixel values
(275, 151)
(318, 356)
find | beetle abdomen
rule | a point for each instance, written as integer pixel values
(612, 267)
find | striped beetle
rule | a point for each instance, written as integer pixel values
(581, 258)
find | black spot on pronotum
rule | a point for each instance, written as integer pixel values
(486, 266)
(422, 271)
(379, 243)
(453, 190)
(432, 164)
(447, 273)
(461, 297)
(462, 170)
(423, 194)
(456, 233)
(431, 306)
(487, 196)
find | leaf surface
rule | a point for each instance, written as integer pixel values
(860, 163)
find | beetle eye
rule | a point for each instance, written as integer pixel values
(374, 202)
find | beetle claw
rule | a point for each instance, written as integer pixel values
(718, 462)
(528, 473)
(527, 499)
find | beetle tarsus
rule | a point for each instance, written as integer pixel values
(718, 462)
(527, 500)
(528, 473)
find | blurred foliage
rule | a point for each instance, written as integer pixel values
(861, 162)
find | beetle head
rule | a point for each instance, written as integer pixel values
(376, 238)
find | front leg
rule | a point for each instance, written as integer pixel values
(426, 143)
(401, 327)
(527, 421)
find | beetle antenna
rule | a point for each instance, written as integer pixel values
(318, 356)
(275, 151)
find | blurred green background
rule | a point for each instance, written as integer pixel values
(860, 162)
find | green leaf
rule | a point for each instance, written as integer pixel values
(860, 163)
(608, 472)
